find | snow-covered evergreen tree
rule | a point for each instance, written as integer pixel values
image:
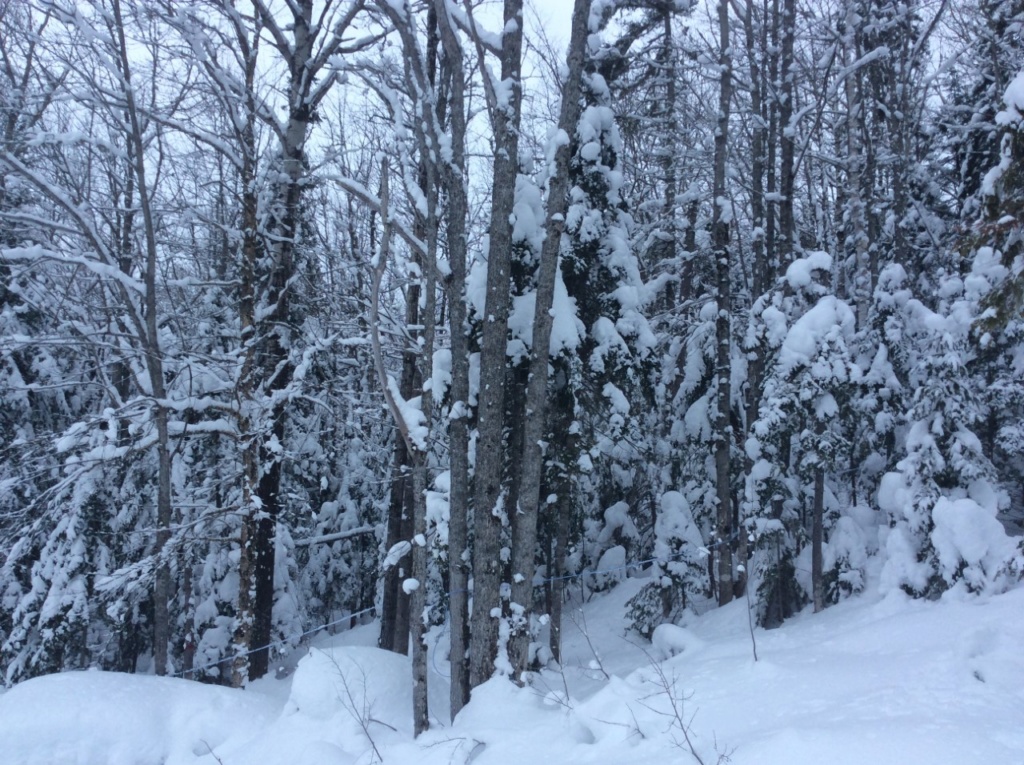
(602, 278)
(943, 497)
(799, 436)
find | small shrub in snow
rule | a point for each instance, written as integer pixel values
(846, 558)
(680, 573)
(651, 607)
(611, 569)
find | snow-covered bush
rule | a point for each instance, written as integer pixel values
(943, 496)
(846, 554)
(680, 572)
(611, 549)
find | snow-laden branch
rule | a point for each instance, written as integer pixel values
(37, 252)
(335, 537)
(371, 200)
(401, 410)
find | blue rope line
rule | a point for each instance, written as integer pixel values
(275, 643)
(625, 567)
(433, 654)
(349, 617)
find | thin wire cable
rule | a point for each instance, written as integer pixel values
(276, 643)
(536, 582)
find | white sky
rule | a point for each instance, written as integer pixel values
(555, 14)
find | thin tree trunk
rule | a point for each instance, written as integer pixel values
(188, 655)
(428, 270)
(250, 448)
(759, 267)
(787, 159)
(247, 383)
(281, 232)
(669, 247)
(817, 535)
(858, 238)
(394, 623)
(557, 597)
(525, 539)
(420, 551)
(162, 588)
(266, 343)
(770, 42)
(416, 446)
(723, 327)
(454, 179)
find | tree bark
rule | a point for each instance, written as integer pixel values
(248, 381)
(787, 158)
(394, 615)
(857, 238)
(267, 369)
(770, 43)
(817, 531)
(429, 148)
(668, 249)
(723, 326)
(759, 266)
(525, 538)
(490, 514)
(558, 586)
(454, 180)
(162, 588)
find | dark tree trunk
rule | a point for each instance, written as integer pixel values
(723, 327)
(534, 428)
(454, 180)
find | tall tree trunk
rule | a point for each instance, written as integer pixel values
(251, 253)
(416, 446)
(305, 49)
(281, 231)
(420, 550)
(429, 148)
(723, 326)
(758, 108)
(759, 267)
(857, 238)
(188, 654)
(421, 77)
(454, 179)
(557, 573)
(394, 623)
(787, 159)
(770, 43)
(490, 514)
(525, 539)
(668, 249)
(162, 588)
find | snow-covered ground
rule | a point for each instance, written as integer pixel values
(868, 682)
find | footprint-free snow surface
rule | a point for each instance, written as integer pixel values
(868, 682)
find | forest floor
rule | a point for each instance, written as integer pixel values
(870, 681)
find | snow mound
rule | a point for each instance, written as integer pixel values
(110, 718)
(669, 640)
(344, 684)
(344, 702)
(969, 542)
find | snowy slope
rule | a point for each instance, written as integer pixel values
(873, 680)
